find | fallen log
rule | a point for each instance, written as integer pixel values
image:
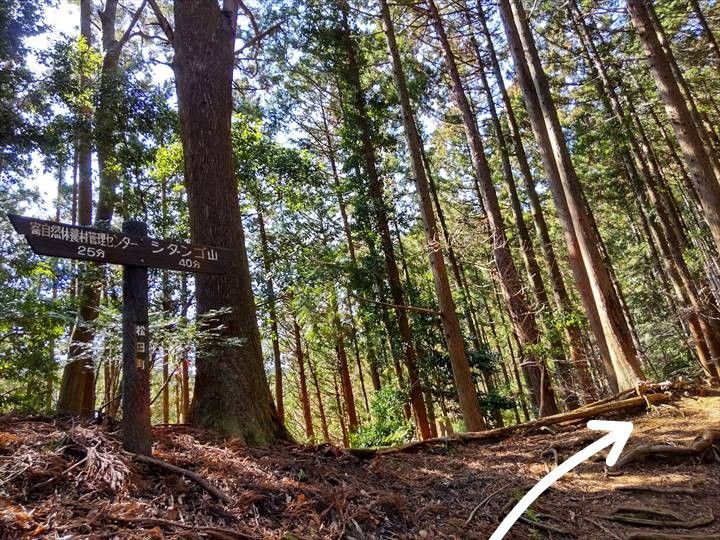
(697, 448)
(504, 432)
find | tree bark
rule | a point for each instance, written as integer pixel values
(78, 379)
(231, 391)
(664, 222)
(527, 251)
(341, 415)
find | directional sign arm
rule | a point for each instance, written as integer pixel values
(107, 246)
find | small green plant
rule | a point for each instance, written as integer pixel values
(388, 426)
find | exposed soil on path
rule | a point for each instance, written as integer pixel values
(60, 481)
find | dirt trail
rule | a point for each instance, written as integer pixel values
(456, 491)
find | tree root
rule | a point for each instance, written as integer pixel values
(629, 516)
(493, 435)
(672, 536)
(663, 490)
(697, 448)
(199, 480)
(646, 511)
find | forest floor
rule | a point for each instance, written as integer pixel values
(59, 480)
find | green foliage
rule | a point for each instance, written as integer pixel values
(388, 426)
(495, 401)
(484, 360)
(31, 320)
(20, 101)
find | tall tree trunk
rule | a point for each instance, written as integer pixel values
(468, 307)
(342, 364)
(361, 119)
(231, 390)
(665, 229)
(166, 307)
(372, 360)
(78, 374)
(707, 32)
(522, 318)
(184, 416)
(304, 395)
(469, 404)
(707, 132)
(687, 132)
(431, 414)
(561, 297)
(78, 385)
(568, 197)
(527, 251)
(341, 415)
(109, 101)
(318, 395)
(272, 312)
(356, 349)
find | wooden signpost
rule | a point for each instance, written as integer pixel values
(136, 252)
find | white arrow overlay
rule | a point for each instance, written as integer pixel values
(619, 433)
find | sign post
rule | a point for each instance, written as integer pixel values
(136, 252)
(135, 353)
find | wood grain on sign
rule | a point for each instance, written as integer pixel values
(107, 246)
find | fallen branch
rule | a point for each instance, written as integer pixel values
(539, 525)
(199, 480)
(483, 503)
(57, 477)
(697, 448)
(218, 532)
(602, 527)
(504, 432)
